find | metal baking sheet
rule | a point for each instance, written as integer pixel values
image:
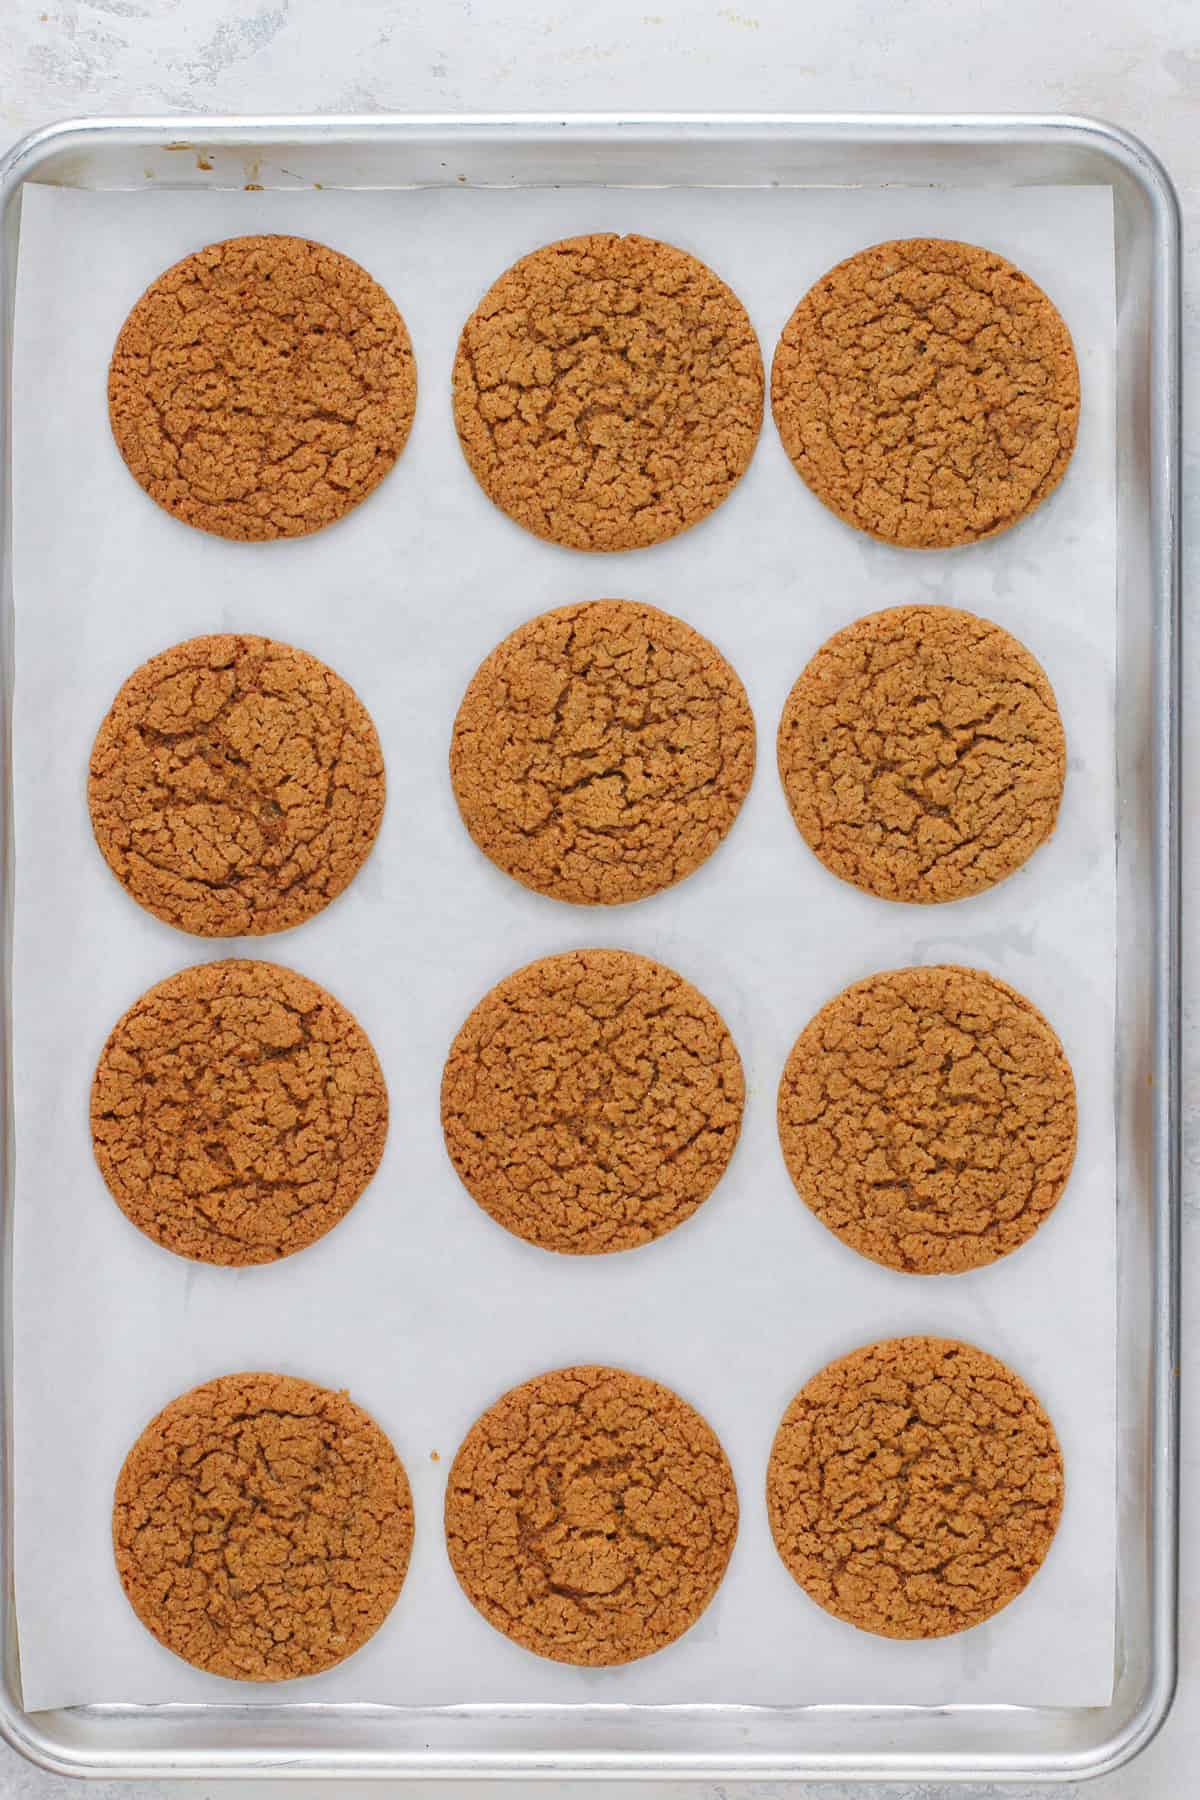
(423, 1307)
(575, 1723)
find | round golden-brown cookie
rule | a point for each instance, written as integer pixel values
(236, 786)
(608, 391)
(914, 1487)
(922, 754)
(238, 1112)
(601, 752)
(262, 1527)
(927, 1116)
(590, 1515)
(262, 387)
(592, 1101)
(927, 391)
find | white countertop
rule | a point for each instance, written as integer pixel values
(1138, 66)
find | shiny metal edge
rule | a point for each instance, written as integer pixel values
(1133, 163)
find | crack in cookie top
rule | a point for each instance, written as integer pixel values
(262, 387)
(927, 391)
(608, 391)
(236, 786)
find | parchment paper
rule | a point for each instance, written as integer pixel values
(417, 1303)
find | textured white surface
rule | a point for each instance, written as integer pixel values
(1139, 66)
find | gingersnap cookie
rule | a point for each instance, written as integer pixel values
(262, 387)
(927, 391)
(236, 786)
(262, 1527)
(238, 1112)
(608, 392)
(590, 1515)
(914, 1487)
(922, 754)
(927, 1116)
(592, 1101)
(601, 752)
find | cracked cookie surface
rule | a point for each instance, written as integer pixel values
(590, 1515)
(927, 1116)
(262, 387)
(592, 1101)
(914, 1487)
(927, 391)
(601, 752)
(236, 786)
(608, 392)
(238, 1112)
(262, 1527)
(922, 754)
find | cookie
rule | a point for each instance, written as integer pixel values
(262, 387)
(262, 1527)
(592, 1101)
(922, 754)
(236, 786)
(927, 391)
(927, 1116)
(608, 392)
(914, 1487)
(601, 752)
(590, 1515)
(237, 1113)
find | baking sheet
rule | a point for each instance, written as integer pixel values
(417, 1303)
